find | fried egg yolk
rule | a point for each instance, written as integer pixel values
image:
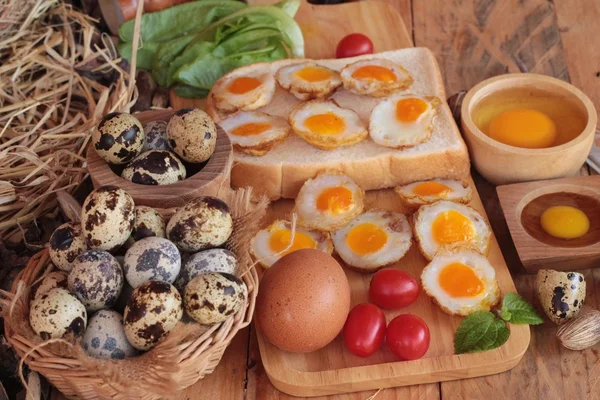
(313, 74)
(431, 189)
(336, 200)
(325, 124)
(523, 127)
(250, 129)
(452, 226)
(374, 73)
(565, 222)
(459, 280)
(366, 238)
(243, 85)
(280, 240)
(409, 110)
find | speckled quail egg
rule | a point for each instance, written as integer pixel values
(118, 138)
(152, 312)
(107, 217)
(56, 279)
(156, 136)
(105, 337)
(96, 279)
(200, 224)
(213, 260)
(151, 259)
(561, 294)
(192, 135)
(66, 243)
(148, 223)
(56, 314)
(155, 167)
(212, 297)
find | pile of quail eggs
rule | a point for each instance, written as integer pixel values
(150, 279)
(153, 154)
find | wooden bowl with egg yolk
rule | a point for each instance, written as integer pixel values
(501, 163)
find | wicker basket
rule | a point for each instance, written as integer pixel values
(187, 354)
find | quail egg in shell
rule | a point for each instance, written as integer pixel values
(96, 279)
(561, 294)
(66, 243)
(200, 224)
(119, 138)
(156, 136)
(308, 80)
(151, 259)
(375, 77)
(212, 297)
(57, 313)
(244, 89)
(212, 260)
(328, 201)
(155, 167)
(445, 222)
(192, 135)
(153, 310)
(148, 223)
(107, 217)
(105, 337)
(420, 193)
(55, 279)
(461, 280)
(254, 132)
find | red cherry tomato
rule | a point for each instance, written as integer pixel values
(408, 337)
(392, 288)
(364, 329)
(354, 44)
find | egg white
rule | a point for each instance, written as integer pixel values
(258, 97)
(376, 88)
(305, 90)
(459, 191)
(261, 143)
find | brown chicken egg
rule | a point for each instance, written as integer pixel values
(303, 301)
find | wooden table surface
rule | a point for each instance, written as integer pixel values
(474, 40)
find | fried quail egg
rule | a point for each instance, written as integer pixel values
(57, 313)
(373, 240)
(308, 80)
(375, 77)
(156, 136)
(192, 135)
(445, 222)
(244, 89)
(119, 138)
(105, 337)
(461, 280)
(417, 194)
(254, 132)
(268, 245)
(326, 125)
(328, 201)
(151, 259)
(66, 243)
(148, 223)
(155, 167)
(212, 260)
(56, 279)
(401, 121)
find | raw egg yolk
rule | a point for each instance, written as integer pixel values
(374, 73)
(451, 226)
(313, 74)
(250, 129)
(325, 124)
(431, 189)
(459, 280)
(243, 85)
(366, 238)
(280, 239)
(523, 127)
(409, 110)
(335, 199)
(565, 222)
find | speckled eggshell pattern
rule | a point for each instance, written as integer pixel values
(107, 218)
(156, 136)
(213, 260)
(96, 279)
(202, 223)
(105, 337)
(155, 167)
(151, 259)
(118, 138)
(212, 297)
(56, 314)
(561, 294)
(152, 312)
(66, 243)
(192, 135)
(148, 223)
(55, 279)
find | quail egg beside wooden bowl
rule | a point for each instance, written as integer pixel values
(208, 178)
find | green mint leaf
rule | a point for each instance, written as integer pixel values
(505, 314)
(520, 311)
(503, 334)
(473, 332)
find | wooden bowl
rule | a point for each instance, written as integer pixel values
(212, 179)
(500, 163)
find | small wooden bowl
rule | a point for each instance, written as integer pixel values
(502, 164)
(523, 205)
(212, 180)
